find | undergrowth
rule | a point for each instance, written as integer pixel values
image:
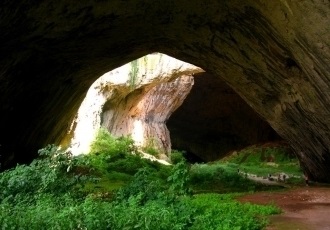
(113, 188)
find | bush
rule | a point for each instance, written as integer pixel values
(44, 195)
(179, 179)
(177, 156)
(144, 185)
(110, 148)
(46, 174)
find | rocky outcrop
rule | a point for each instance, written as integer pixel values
(214, 120)
(135, 99)
(274, 54)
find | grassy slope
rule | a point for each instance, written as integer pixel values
(262, 161)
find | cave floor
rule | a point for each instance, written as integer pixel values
(304, 208)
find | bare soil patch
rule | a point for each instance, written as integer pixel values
(304, 208)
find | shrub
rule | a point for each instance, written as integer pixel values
(179, 179)
(106, 149)
(177, 156)
(144, 185)
(43, 195)
(46, 174)
(107, 144)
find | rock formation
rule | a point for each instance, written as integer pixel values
(213, 121)
(135, 99)
(274, 54)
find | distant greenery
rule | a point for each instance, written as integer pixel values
(113, 188)
(219, 178)
(264, 161)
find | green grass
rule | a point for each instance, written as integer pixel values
(222, 212)
(103, 186)
(264, 161)
(113, 188)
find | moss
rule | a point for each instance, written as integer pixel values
(133, 74)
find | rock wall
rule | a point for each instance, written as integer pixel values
(274, 54)
(135, 99)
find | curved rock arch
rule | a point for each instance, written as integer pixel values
(275, 55)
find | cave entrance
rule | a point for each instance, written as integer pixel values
(214, 120)
(166, 103)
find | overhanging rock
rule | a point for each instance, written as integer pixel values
(135, 99)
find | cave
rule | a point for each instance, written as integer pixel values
(164, 104)
(134, 100)
(214, 121)
(275, 55)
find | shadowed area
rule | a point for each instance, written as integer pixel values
(213, 120)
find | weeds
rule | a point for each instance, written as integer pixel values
(177, 156)
(59, 191)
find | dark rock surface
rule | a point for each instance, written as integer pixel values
(274, 54)
(213, 120)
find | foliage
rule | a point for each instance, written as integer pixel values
(106, 149)
(67, 213)
(179, 179)
(105, 143)
(47, 174)
(205, 177)
(47, 194)
(221, 212)
(264, 161)
(177, 156)
(144, 185)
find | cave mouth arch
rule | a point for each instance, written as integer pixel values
(172, 104)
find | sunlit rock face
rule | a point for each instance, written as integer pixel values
(214, 121)
(274, 54)
(135, 99)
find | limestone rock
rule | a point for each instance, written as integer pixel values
(135, 99)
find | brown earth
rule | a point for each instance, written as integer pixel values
(304, 208)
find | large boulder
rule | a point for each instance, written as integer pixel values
(274, 54)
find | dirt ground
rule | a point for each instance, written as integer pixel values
(304, 208)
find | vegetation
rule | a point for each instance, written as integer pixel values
(113, 188)
(264, 161)
(177, 156)
(133, 75)
(217, 178)
(150, 147)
